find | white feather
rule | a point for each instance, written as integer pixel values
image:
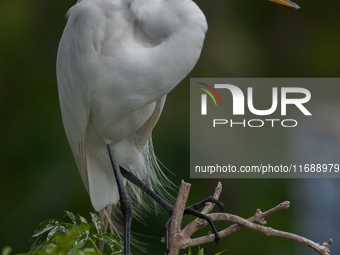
(117, 61)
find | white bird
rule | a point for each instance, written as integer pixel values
(117, 61)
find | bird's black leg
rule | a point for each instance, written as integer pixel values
(192, 210)
(167, 235)
(125, 202)
(209, 199)
(135, 180)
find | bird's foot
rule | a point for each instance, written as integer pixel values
(192, 210)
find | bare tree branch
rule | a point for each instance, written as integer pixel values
(180, 239)
(177, 216)
(258, 217)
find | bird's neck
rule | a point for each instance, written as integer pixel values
(177, 55)
(182, 26)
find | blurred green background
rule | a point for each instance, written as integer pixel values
(39, 179)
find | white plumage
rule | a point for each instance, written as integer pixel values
(117, 61)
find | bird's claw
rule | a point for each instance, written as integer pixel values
(217, 238)
(192, 210)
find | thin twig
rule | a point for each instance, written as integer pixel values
(321, 249)
(181, 239)
(258, 217)
(209, 206)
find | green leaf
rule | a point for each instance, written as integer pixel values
(115, 243)
(6, 250)
(38, 243)
(118, 253)
(45, 226)
(96, 221)
(91, 251)
(50, 235)
(57, 230)
(72, 216)
(55, 237)
(82, 219)
(82, 230)
(187, 252)
(220, 252)
(200, 251)
(80, 244)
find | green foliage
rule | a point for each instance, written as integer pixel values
(219, 253)
(6, 250)
(200, 251)
(54, 237)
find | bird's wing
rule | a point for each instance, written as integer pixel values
(145, 131)
(78, 53)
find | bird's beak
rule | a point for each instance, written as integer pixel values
(287, 3)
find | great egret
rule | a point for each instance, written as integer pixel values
(117, 61)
